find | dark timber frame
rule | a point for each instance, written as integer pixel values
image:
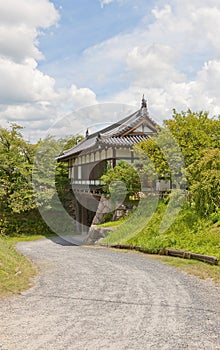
(89, 159)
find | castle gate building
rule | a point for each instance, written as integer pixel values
(90, 158)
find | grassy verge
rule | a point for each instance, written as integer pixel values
(192, 267)
(196, 268)
(16, 270)
(189, 232)
(113, 223)
(134, 223)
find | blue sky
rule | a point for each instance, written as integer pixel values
(84, 24)
(57, 56)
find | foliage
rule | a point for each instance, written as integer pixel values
(151, 161)
(49, 176)
(189, 232)
(113, 223)
(21, 165)
(199, 140)
(44, 169)
(70, 141)
(23, 224)
(196, 155)
(194, 132)
(121, 176)
(204, 174)
(160, 157)
(16, 158)
(186, 149)
(135, 222)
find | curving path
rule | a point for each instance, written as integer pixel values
(92, 298)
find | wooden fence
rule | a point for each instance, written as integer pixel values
(213, 260)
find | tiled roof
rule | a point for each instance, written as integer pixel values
(82, 146)
(113, 135)
(128, 140)
(129, 122)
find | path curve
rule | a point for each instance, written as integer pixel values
(94, 298)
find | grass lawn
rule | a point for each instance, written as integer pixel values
(16, 271)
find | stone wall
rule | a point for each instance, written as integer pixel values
(104, 208)
(96, 233)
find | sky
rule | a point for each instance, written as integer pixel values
(59, 56)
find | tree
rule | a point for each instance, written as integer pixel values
(49, 176)
(16, 158)
(204, 176)
(195, 154)
(160, 156)
(122, 179)
(194, 132)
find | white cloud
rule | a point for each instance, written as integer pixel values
(202, 93)
(24, 82)
(82, 97)
(20, 27)
(41, 115)
(40, 13)
(105, 2)
(153, 66)
(161, 13)
(28, 96)
(20, 79)
(38, 117)
(174, 60)
(18, 43)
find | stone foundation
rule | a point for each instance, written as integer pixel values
(96, 233)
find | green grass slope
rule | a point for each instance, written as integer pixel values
(188, 232)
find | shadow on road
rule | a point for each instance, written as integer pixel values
(61, 241)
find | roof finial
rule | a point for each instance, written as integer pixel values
(87, 133)
(98, 136)
(144, 103)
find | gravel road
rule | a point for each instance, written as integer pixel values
(94, 298)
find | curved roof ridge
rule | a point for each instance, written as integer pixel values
(114, 132)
